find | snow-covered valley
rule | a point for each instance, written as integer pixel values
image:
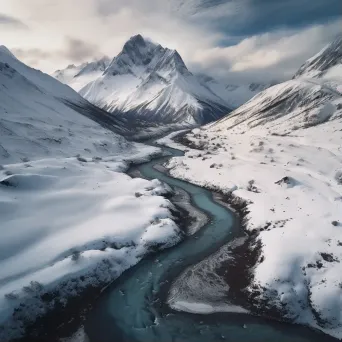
(281, 154)
(72, 220)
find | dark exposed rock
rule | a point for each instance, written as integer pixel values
(328, 257)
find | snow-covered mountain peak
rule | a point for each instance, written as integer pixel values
(327, 63)
(136, 52)
(152, 83)
(312, 98)
(140, 44)
(141, 56)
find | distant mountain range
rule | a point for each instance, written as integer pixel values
(148, 82)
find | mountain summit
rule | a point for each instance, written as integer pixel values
(139, 52)
(147, 82)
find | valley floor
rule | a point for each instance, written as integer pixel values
(292, 186)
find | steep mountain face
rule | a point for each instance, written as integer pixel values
(286, 107)
(41, 117)
(299, 103)
(150, 83)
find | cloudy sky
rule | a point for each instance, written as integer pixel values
(236, 40)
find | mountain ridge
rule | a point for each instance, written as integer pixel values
(318, 66)
(311, 98)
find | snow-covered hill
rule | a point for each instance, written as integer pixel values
(70, 218)
(281, 153)
(151, 83)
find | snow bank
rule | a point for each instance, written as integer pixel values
(168, 140)
(281, 153)
(205, 308)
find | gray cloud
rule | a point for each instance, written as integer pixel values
(236, 40)
(108, 7)
(31, 53)
(78, 50)
(266, 57)
(74, 50)
(250, 17)
(32, 56)
(11, 21)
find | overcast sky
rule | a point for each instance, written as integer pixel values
(236, 40)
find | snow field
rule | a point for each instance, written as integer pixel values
(294, 192)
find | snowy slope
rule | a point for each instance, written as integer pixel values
(69, 217)
(235, 94)
(36, 122)
(326, 66)
(152, 83)
(286, 107)
(325, 63)
(281, 152)
(311, 98)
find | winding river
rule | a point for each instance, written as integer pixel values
(133, 308)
